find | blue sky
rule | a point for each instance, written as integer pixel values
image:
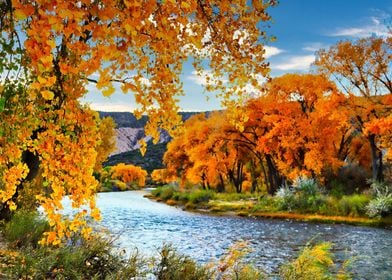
(301, 27)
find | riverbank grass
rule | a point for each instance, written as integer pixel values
(97, 258)
(348, 209)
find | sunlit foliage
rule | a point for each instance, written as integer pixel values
(129, 174)
(53, 50)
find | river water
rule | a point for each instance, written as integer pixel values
(145, 224)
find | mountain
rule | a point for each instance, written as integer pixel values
(126, 119)
(129, 131)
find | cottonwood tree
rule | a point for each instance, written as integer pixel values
(363, 70)
(287, 127)
(52, 50)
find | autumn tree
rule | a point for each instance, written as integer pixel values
(287, 128)
(363, 70)
(203, 154)
(161, 176)
(129, 174)
(54, 49)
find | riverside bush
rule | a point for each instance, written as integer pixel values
(25, 229)
(164, 192)
(96, 259)
(285, 198)
(92, 259)
(200, 196)
(381, 205)
(353, 205)
(171, 265)
(306, 186)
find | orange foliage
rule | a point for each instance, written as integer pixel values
(130, 174)
(363, 69)
(161, 176)
(298, 129)
(58, 47)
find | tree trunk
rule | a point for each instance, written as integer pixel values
(377, 164)
(221, 185)
(236, 176)
(274, 178)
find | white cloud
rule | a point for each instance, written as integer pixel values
(301, 62)
(271, 51)
(204, 78)
(315, 46)
(374, 27)
(111, 107)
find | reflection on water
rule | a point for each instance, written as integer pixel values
(147, 225)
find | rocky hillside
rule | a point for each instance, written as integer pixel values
(128, 137)
(129, 131)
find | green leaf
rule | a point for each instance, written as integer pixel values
(2, 104)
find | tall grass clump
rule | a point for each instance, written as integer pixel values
(314, 263)
(25, 229)
(353, 205)
(201, 196)
(164, 192)
(171, 265)
(92, 259)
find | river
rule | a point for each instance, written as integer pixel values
(145, 224)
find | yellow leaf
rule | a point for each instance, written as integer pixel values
(143, 147)
(185, 5)
(47, 94)
(41, 80)
(12, 205)
(20, 15)
(108, 91)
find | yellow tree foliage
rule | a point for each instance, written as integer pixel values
(54, 49)
(129, 174)
(107, 143)
(161, 176)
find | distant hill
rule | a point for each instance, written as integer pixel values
(151, 160)
(126, 119)
(129, 131)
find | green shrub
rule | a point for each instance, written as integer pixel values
(267, 204)
(336, 189)
(380, 188)
(312, 204)
(306, 186)
(200, 196)
(25, 229)
(380, 206)
(172, 266)
(156, 192)
(94, 259)
(285, 198)
(233, 196)
(353, 205)
(166, 192)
